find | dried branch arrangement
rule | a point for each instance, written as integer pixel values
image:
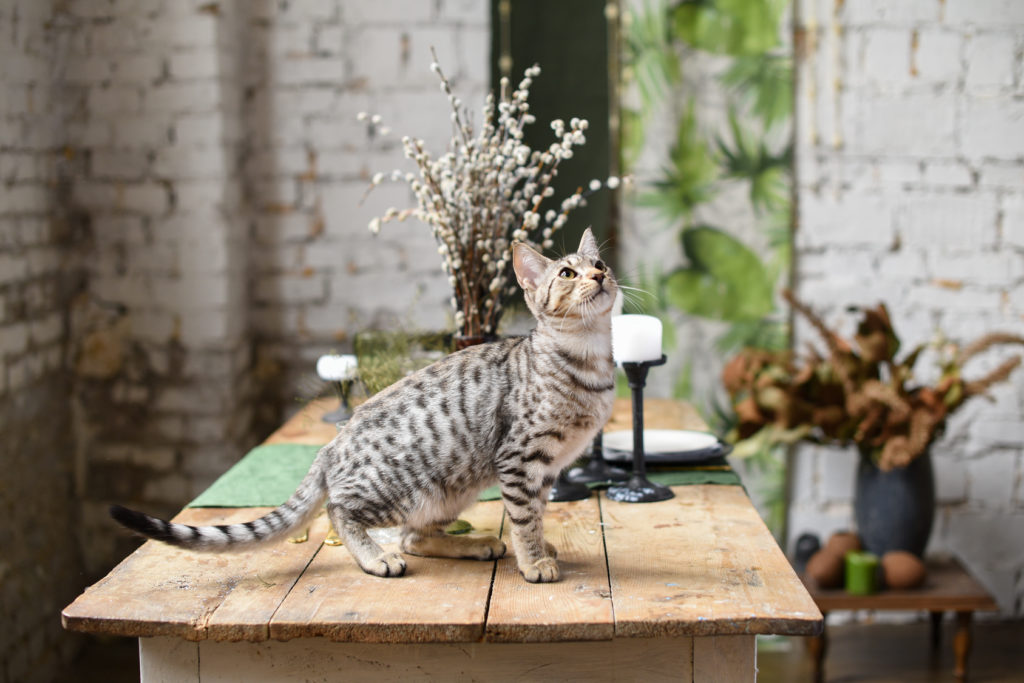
(487, 192)
(859, 393)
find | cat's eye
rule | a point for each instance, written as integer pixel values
(600, 266)
(567, 273)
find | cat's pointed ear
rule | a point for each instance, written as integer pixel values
(588, 246)
(529, 266)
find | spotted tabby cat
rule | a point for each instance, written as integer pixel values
(514, 412)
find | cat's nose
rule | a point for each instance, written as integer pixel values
(598, 276)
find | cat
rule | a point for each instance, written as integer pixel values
(416, 454)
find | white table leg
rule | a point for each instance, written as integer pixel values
(725, 659)
(168, 660)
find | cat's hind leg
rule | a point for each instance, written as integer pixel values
(368, 555)
(434, 542)
(423, 533)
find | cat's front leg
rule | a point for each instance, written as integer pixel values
(367, 554)
(525, 504)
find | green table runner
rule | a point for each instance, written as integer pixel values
(268, 475)
(265, 477)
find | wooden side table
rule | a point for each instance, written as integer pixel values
(948, 588)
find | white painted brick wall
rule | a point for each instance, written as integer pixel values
(937, 60)
(320, 275)
(991, 129)
(31, 255)
(38, 277)
(991, 61)
(215, 153)
(153, 111)
(983, 13)
(910, 136)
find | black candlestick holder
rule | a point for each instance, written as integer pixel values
(341, 414)
(639, 489)
(597, 470)
(564, 490)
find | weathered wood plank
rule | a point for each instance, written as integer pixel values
(668, 660)
(702, 563)
(575, 608)
(438, 600)
(162, 591)
(246, 611)
(659, 413)
(306, 426)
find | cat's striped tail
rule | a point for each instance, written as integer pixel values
(297, 511)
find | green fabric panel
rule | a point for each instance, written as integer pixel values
(269, 474)
(668, 475)
(265, 477)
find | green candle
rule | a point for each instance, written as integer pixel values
(861, 570)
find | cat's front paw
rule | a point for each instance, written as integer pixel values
(388, 565)
(544, 570)
(487, 548)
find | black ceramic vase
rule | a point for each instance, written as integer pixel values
(895, 509)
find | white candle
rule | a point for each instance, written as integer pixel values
(636, 338)
(337, 368)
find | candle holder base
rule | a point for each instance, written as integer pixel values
(343, 412)
(597, 472)
(639, 490)
(338, 416)
(564, 490)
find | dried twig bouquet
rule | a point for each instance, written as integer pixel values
(859, 393)
(484, 194)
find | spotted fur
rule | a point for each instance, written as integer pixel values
(514, 412)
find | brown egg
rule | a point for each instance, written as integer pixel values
(842, 542)
(902, 569)
(826, 568)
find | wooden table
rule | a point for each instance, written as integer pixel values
(674, 590)
(947, 588)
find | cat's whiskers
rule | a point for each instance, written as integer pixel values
(629, 291)
(633, 301)
(582, 306)
(635, 289)
(633, 296)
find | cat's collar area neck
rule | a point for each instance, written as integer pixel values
(591, 341)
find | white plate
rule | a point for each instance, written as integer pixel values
(665, 445)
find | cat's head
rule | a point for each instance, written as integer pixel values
(577, 287)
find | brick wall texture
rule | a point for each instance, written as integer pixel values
(41, 562)
(910, 174)
(182, 233)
